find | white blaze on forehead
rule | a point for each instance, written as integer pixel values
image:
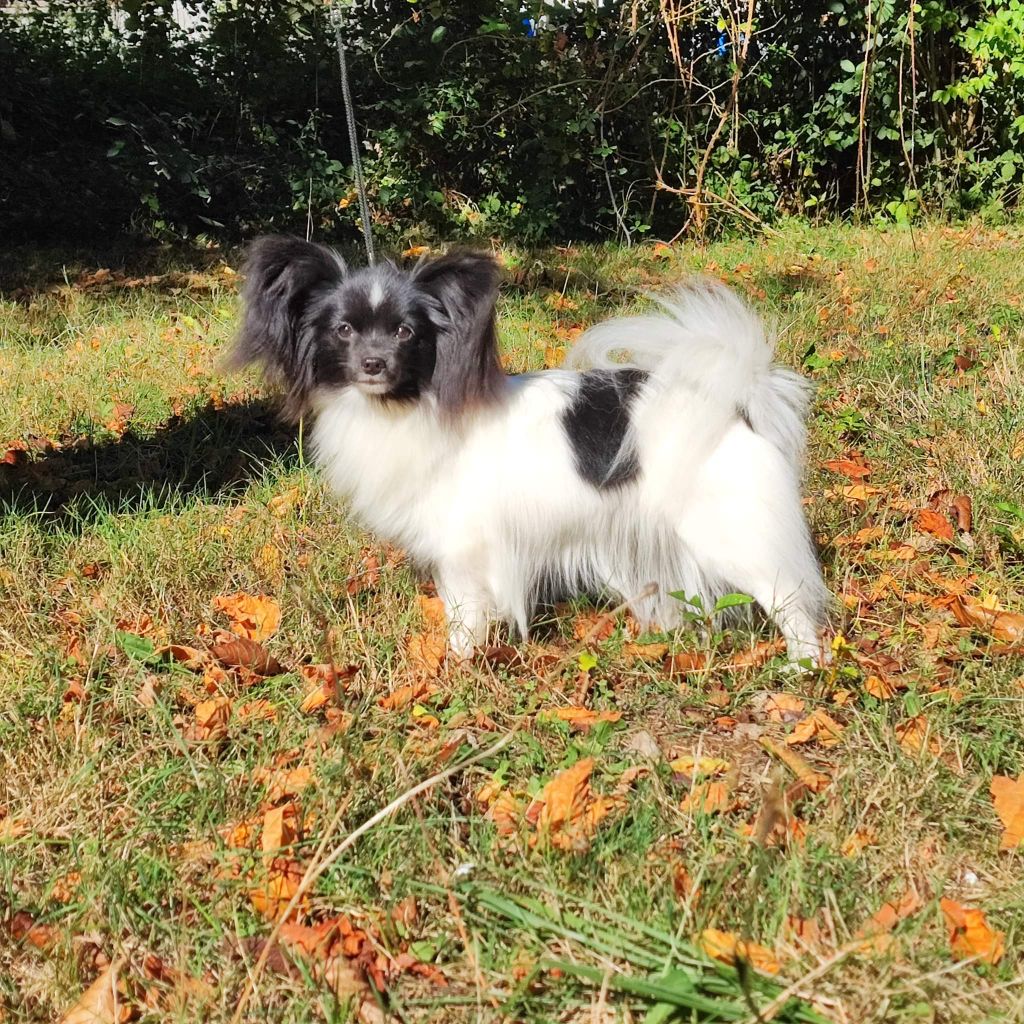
(376, 294)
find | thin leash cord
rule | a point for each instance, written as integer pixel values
(337, 19)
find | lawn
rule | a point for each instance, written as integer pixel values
(210, 679)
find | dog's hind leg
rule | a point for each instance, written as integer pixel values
(744, 521)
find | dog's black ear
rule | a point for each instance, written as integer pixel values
(282, 276)
(464, 285)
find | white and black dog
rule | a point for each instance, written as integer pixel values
(680, 467)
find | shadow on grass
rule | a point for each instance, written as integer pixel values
(214, 453)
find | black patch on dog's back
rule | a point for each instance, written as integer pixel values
(596, 422)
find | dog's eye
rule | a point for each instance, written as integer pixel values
(345, 329)
(403, 332)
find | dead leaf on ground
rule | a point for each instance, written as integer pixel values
(253, 616)
(848, 468)
(970, 935)
(814, 780)
(277, 887)
(914, 736)
(102, 1002)
(964, 511)
(693, 765)
(566, 813)
(368, 575)
(405, 695)
(818, 727)
(582, 718)
(211, 720)
(989, 618)
(876, 930)
(729, 948)
(929, 521)
(240, 652)
(426, 652)
(710, 798)
(1008, 800)
(592, 627)
(780, 707)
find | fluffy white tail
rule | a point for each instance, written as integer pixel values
(714, 346)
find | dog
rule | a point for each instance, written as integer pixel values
(678, 466)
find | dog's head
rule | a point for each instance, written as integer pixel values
(395, 334)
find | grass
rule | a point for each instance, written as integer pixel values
(140, 483)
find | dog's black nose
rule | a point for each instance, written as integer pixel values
(373, 366)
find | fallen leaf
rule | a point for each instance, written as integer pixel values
(280, 884)
(1005, 626)
(1008, 800)
(818, 726)
(729, 948)
(863, 537)
(240, 652)
(281, 504)
(24, 928)
(368, 576)
(257, 711)
(644, 652)
(211, 721)
(848, 468)
(149, 693)
(255, 617)
(426, 652)
(709, 798)
(970, 936)
(101, 1002)
(782, 707)
(280, 830)
(583, 718)
(964, 512)
(930, 521)
(566, 813)
(857, 842)
(404, 695)
(875, 931)
(692, 765)
(592, 627)
(814, 780)
(882, 687)
(913, 734)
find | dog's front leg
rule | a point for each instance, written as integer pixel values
(469, 607)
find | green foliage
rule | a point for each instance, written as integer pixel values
(534, 121)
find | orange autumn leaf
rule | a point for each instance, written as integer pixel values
(820, 727)
(432, 610)
(875, 931)
(506, 812)
(692, 765)
(970, 935)
(212, 717)
(914, 737)
(882, 687)
(426, 652)
(255, 617)
(583, 718)
(405, 695)
(783, 707)
(563, 798)
(710, 798)
(102, 1002)
(1007, 627)
(280, 830)
(1008, 800)
(729, 948)
(848, 468)
(863, 537)
(241, 652)
(644, 652)
(281, 882)
(930, 521)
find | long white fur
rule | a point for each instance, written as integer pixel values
(494, 505)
